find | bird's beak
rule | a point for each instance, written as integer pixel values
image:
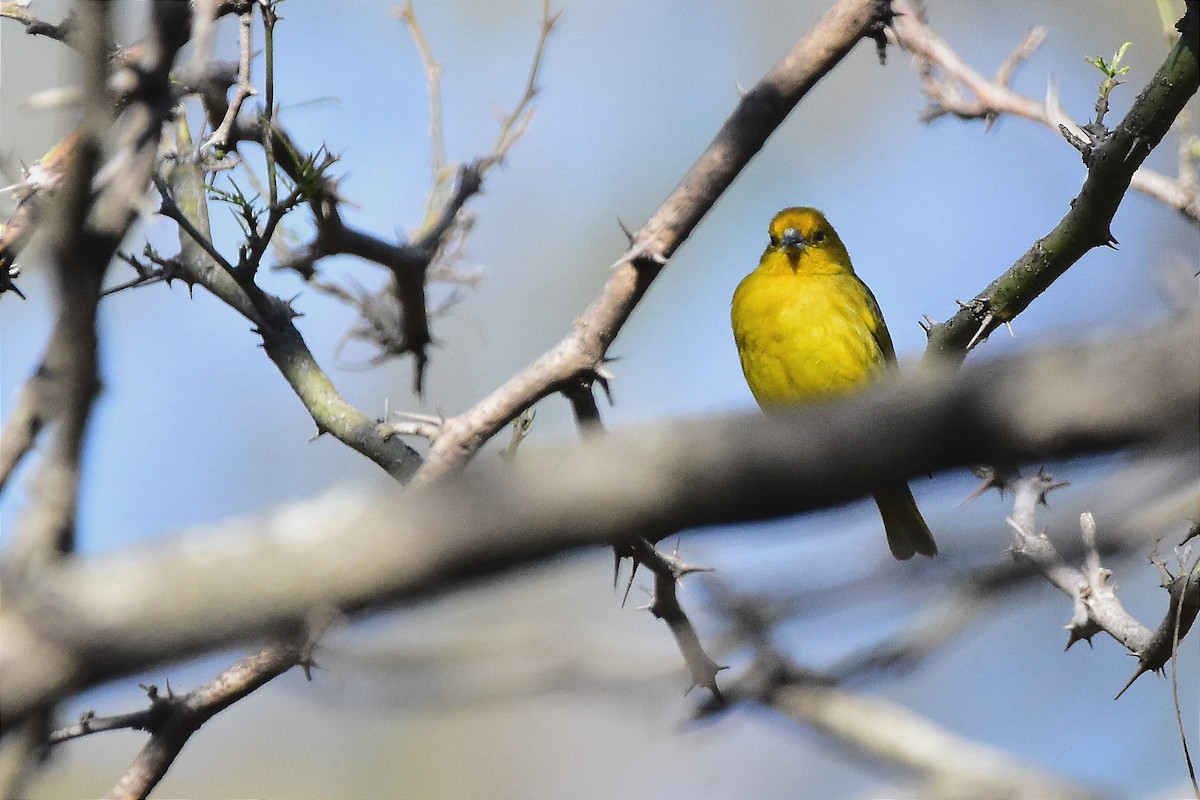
(792, 239)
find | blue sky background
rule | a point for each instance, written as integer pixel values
(195, 425)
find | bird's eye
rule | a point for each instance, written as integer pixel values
(819, 236)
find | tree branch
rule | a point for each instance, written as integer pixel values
(172, 720)
(1111, 160)
(887, 732)
(1096, 607)
(993, 98)
(90, 622)
(282, 341)
(582, 352)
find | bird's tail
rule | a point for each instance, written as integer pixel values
(907, 533)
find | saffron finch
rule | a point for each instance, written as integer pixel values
(807, 329)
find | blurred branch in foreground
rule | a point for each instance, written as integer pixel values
(262, 576)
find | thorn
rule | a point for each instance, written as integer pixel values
(632, 572)
(307, 666)
(625, 230)
(990, 478)
(1008, 324)
(603, 377)
(1048, 484)
(633, 252)
(420, 359)
(1073, 638)
(1075, 141)
(981, 333)
(1141, 670)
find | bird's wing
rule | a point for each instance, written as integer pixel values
(880, 332)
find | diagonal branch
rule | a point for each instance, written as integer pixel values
(171, 720)
(759, 112)
(1111, 160)
(200, 263)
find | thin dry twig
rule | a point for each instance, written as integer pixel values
(172, 719)
(433, 90)
(243, 90)
(989, 99)
(1177, 634)
(883, 731)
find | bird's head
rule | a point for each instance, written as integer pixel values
(805, 233)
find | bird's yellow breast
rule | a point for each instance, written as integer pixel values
(806, 335)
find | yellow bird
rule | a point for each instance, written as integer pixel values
(807, 329)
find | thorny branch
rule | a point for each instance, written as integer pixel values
(1096, 607)
(411, 263)
(1111, 158)
(174, 719)
(171, 720)
(668, 570)
(643, 256)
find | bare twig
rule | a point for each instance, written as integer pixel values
(1181, 613)
(514, 125)
(669, 570)
(410, 262)
(63, 32)
(1184, 604)
(221, 136)
(883, 731)
(1096, 607)
(171, 720)
(990, 99)
(433, 89)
